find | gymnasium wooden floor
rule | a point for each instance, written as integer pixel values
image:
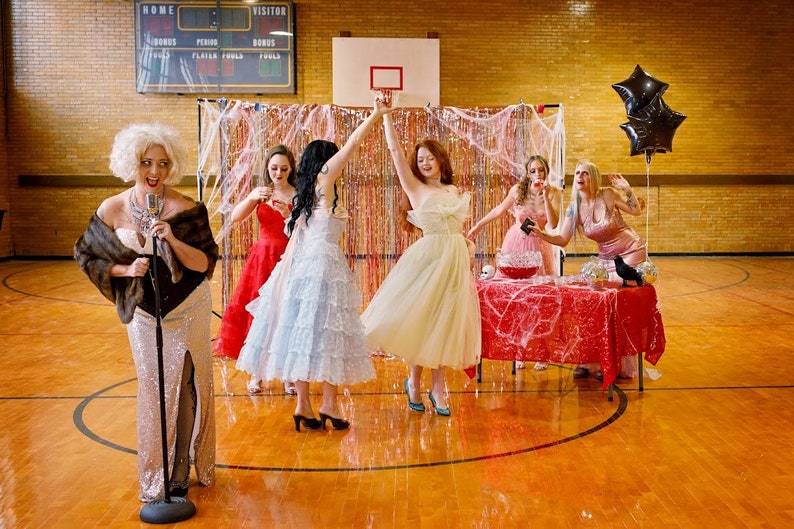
(708, 444)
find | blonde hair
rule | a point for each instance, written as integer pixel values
(134, 140)
(595, 186)
(523, 184)
(595, 175)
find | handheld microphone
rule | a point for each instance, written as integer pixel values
(152, 206)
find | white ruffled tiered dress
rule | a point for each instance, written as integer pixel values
(307, 322)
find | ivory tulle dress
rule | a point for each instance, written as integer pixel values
(427, 310)
(306, 320)
(516, 241)
(262, 258)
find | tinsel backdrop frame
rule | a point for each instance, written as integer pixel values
(487, 146)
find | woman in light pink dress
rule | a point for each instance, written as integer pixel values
(533, 197)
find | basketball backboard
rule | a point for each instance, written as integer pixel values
(407, 66)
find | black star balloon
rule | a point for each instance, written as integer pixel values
(658, 112)
(639, 89)
(651, 129)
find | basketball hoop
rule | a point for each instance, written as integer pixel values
(386, 82)
(389, 96)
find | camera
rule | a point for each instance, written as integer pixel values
(526, 226)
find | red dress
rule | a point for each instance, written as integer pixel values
(262, 258)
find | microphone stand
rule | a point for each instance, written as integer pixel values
(176, 509)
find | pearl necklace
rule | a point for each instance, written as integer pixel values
(141, 216)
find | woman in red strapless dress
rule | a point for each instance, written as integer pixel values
(272, 204)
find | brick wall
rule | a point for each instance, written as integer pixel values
(71, 86)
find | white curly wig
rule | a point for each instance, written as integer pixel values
(134, 140)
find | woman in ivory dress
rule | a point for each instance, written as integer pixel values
(427, 310)
(116, 253)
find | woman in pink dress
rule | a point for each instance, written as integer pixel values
(532, 197)
(272, 203)
(595, 210)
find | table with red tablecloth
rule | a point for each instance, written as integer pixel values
(570, 322)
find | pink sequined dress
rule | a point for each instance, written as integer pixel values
(516, 241)
(262, 258)
(613, 236)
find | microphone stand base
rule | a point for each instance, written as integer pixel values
(175, 509)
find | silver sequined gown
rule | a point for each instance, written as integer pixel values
(186, 328)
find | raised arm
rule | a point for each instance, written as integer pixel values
(624, 198)
(249, 203)
(552, 203)
(409, 182)
(495, 213)
(333, 168)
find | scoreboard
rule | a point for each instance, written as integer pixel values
(200, 46)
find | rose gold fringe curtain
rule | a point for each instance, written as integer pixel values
(487, 147)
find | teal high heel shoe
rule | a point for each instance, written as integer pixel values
(416, 406)
(441, 411)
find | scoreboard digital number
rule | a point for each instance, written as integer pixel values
(221, 46)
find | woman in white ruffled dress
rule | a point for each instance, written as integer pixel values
(307, 325)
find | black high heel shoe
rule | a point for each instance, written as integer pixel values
(338, 424)
(178, 488)
(310, 423)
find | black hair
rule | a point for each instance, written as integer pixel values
(314, 157)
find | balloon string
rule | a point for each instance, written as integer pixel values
(647, 207)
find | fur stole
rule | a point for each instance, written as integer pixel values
(98, 249)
